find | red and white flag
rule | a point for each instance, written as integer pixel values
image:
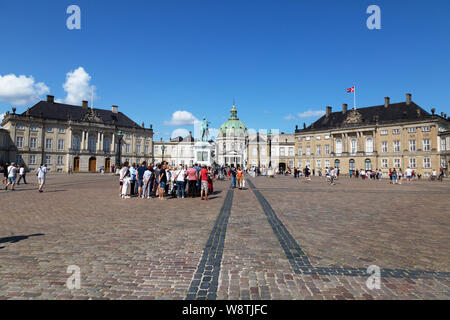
(350, 90)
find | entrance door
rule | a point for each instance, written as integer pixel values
(282, 166)
(92, 164)
(107, 165)
(76, 164)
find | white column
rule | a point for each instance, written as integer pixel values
(83, 138)
(98, 141)
(113, 146)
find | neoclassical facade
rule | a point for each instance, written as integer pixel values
(398, 135)
(271, 150)
(75, 137)
(177, 151)
(232, 142)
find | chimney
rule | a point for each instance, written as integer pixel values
(386, 101)
(50, 99)
(296, 127)
(344, 108)
(408, 99)
(433, 110)
(85, 104)
(328, 111)
(304, 125)
(418, 113)
(442, 114)
(115, 109)
(445, 116)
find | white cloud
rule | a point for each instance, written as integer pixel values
(289, 117)
(21, 90)
(311, 113)
(180, 132)
(77, 87)
(181, 118)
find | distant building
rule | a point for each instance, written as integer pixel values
(444, 149)
(5, 143)
(176, 151)
(78, 137)
(398, 135)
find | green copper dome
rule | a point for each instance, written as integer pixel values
(233, 123)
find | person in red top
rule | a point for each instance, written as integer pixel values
(204, 182)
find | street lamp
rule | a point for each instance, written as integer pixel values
(163, 148)
(119, 149)
(269, 137)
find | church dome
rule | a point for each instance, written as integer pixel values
(233, 125)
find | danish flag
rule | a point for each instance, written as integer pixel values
(350, 90)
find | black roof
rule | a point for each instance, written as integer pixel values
(60, 111)
(394, 113)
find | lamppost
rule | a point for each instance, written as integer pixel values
(269, 137)
(163, 148)
(119, 149)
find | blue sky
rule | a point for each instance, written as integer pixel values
(278, 59)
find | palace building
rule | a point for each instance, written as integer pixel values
(78, 137)
(393, 135)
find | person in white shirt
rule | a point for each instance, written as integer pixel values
(12, 175)
(22, 175)
(42, 172)
(123, 174)
(180, 176)
(408, 173)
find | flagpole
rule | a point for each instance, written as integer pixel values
(354, 98)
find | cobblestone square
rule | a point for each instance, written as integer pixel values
(280, 238)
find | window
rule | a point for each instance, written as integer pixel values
(49, 130)
(60, 144)
(384, 146)
(327, 163)
(351, 164)
(48, 160)
(411, 130)
(443, 163)
(291, 151)
(138, 149)
(127, 136)
(33, 143)
(426, 163)
(353, 146)
(282, 152)
(299, 139)
(255, 151)
(412, 163)
(426, 129)
(338, 146)
(19, 142)
(368, 164)
(308, 138)
(76, 143)
(182, 151)
(127, 148)
(395, 131)
(48, 143)
(443, 144)
(318, 150)
(369, 145)
(327, 149)
(384, 132)
(32, 159)
(327, 137)
(300, 151)
(291, 164)
(384, 163)
(426, 145)
(19, 159)
(61, 130)
(106, 145)
(397, 163)
(412, 145)
(20, 127)
(397, 146)
(91, 144)
(60, 160)
(337, 163)
(263, 151)
(318, 138)
(33, 128)
(318, 164)
(308, 150)
(146, 149)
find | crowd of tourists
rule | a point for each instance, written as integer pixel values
(164, 181)
(13, 174)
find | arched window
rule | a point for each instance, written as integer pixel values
(107, 145)
(351, 164)
(368, 164)
(91, 144)
(338, 146)
(76, 143)
(337, 163)
(369, 145)
(354, 146)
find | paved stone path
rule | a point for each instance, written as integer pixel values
(281, 238)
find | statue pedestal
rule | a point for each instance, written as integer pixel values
(203, 153)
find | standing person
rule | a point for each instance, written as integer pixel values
(239, 175)
(41, 174)
(332, 175)
(408, 173)
(400, 176)
(5, 173)
(140, 178)
(124, 172)
(133, 173)
(146, 184)
(162, 180)
(180, 175)
(233, 177)
(192, 175)
(22, 175)
(204, 182)
(441, 174)
(12, 175)
(211, 178)
(394, 176)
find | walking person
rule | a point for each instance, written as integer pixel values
(22, 175)
(12, 175)
(41, 174)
